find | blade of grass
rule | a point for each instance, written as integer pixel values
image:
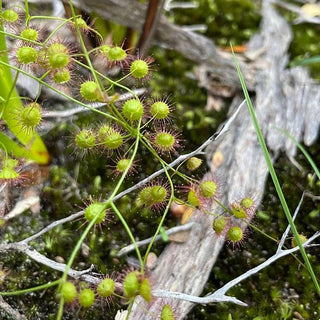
(274, 175)
(303, 150)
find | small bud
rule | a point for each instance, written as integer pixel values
(82, 24)
(116, 54)
(193, 163)
(106, 288)
(86, 298)
(302, 240)
(104, 49)
(68, 291)
(193, 199)
(219, 225)
(238, 211)
(145, 290)
(131, 285)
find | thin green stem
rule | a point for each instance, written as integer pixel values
(75, 252)
(59, 92)
(83, 47)
(107, 204)
(115, 83)
(123, 221)
(33, 289)
(164, 214)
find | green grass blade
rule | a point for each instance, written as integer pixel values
(274, 175)
(303, 150)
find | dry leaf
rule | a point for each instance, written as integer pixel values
(217, 159)
(151, 260)
(180, 237)
(186, 216)
(22, 206)
(177, 209)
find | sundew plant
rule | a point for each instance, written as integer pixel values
(134, 129)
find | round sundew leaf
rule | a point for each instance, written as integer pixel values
(193, 199)
(159, 110)
(164, 141)
(235, 234)
(9, 174)
(167, 313)
(122, 165)
(61, 76)
(145, 196)
(85, 139)
(30, 34)
(116, 54)
(133, 109)
(26, 55)
(86, 298)
(113, 140)
(106, 288)
(246, 203)
(68, 291)
(158, 193)
(139, 69)
(90, 91)
(10, 16)
(207, 189)
(30, 115)
(94, 209)
(58, 55)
